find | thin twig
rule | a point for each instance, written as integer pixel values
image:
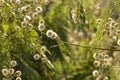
(90, 47)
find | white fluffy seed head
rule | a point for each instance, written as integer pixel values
(2, 1)
(95, 73)
(106, 56)
(96, 63)
(105, 61)
(100, 55)
(99, 20)
(73, 11)
(11, 71)
(32, 45)
(117, 32)
(43, 49)
(54, 36)
(47, 1)
(44, 59)
(51, 34)
(116, 24)
(118, 42)
(4, 78)
(30, 25)
(24, 24)
(17, 28)
(5, 72)
(18, 78)
(110, 19)
(23, 9)
(27, 18)
(18, 73)
(41, 27)
(105, 78)
(35, 15)
(17, 1)
(104, 65)
(36, 57)
(42, 21)
(13, 63)
(95, 55)
(39, 9)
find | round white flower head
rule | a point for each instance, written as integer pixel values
(36, 57)
(24, 24)
(5, 72)
(105, 61)
(43, 48)
(104, 65)
(54, 35)
(13, 63)
(35, 15)
(30, 25)
(73, 11)
(96, 63)
(44, 59)
(105, 78)
(116, 24)
(118, 42)
(95, 55)
(110, 19)
(114, 38)
(106, 56)
(11, 71)
(18, 78)
(17, 28)
(100, 55)
(117, 32)
(41, 27)
(32, 45)
(23, 9)
(5, 35)
(49, 33)
(98, 78)
(47, 1)
(18, 73)
(95, 73)
(4, 78)
(39, 9)
(99, 20)
(17, 1)
(27, 18)
(41, 21)
(2, 1)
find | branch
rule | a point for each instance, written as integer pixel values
(90, 47)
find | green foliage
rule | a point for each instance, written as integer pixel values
(57, 39)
